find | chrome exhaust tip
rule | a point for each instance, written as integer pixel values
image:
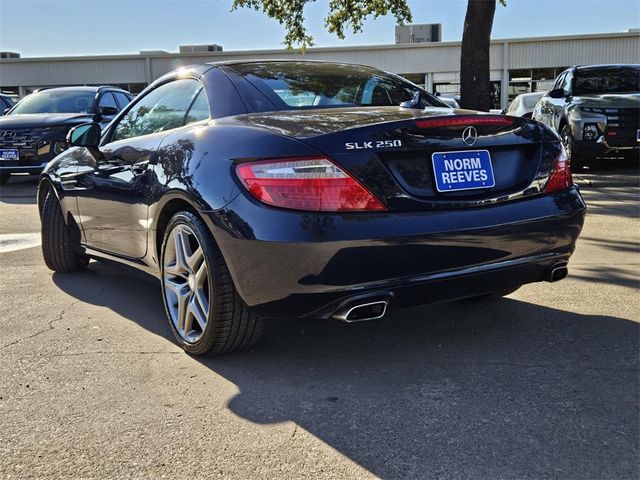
(558, 272)
(361, 312)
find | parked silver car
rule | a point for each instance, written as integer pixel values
(596, 111)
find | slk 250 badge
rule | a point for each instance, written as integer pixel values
(373, 144)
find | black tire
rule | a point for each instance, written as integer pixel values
(61, 247)
(577, 163)
(495, 295)
(4, 178)
(230, 324)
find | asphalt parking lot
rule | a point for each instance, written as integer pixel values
(542, 384)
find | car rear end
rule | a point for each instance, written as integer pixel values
(424, 206)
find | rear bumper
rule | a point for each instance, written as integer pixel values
(295, 264)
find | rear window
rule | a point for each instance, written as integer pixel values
(530, 102)
(300, 85)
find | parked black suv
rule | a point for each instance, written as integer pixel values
(596, 111)
(35, 129)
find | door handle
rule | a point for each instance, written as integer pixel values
(140, 167)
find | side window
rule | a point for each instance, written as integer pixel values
(566, 83)
(161, 109)
(107, 100)
(200, 108)
(559, 81)
(122, 99)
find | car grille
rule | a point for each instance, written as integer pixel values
(27, 138)
(619, 117)
(623, 117)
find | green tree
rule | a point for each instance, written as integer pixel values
(350, 14)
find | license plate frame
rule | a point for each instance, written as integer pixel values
(9, 154)
(462, 161)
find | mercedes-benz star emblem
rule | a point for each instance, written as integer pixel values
(470, 136)
(8, 134)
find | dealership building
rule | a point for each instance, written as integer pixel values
(518, 65)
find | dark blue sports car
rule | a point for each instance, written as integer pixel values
(303, 189)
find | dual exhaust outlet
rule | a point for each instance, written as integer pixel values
(374, 308)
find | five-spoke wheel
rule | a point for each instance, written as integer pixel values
(206, 313)
(185, 281)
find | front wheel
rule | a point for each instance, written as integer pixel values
(205, 312)
(576, 163)
(61, 247)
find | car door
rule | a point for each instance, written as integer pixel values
(114, 191)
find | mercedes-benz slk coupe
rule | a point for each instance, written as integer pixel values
(295, 189)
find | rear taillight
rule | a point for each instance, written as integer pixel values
(313, 184)
(560, 178)
(460, 120)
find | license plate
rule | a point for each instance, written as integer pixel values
(464, 170)
(9, 154)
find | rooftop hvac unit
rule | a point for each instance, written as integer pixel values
(423, 33)
(200, 48)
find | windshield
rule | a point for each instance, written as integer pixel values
(306, 85)
(51, 101)
(607, 80)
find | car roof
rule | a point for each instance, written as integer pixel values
(284, 60)
(532, 94)
(608, 65)
(81, 88)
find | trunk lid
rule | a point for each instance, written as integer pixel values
(390, 150)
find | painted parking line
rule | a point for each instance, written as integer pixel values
(10, 242)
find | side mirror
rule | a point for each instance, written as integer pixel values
(85, 135)
(108, 111)
(6, 110)
(414, 102)
(557, 93)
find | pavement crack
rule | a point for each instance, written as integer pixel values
(44, 330)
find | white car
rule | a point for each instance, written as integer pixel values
(449, 100)
(523, 104)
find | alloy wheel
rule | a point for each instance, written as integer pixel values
(566, 140)
(186, 283)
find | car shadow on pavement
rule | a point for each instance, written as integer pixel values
(21, 190)
(502, 389)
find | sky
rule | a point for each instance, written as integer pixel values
(86, 27)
